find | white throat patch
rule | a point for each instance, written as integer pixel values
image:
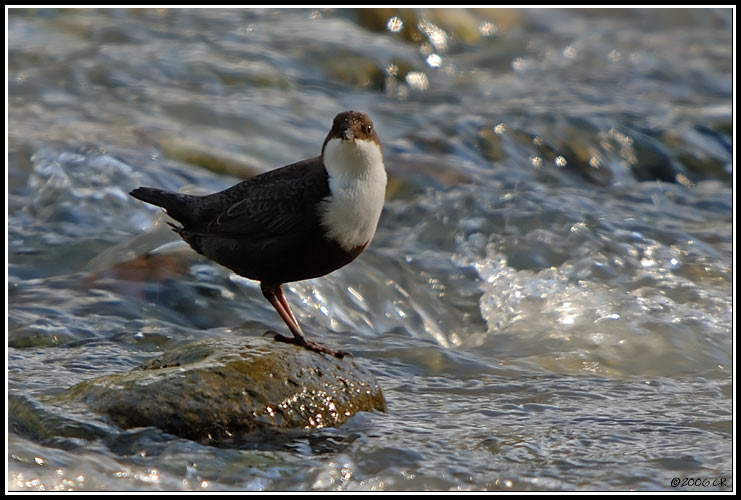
(357, 185)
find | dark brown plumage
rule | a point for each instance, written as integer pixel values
(269, 228)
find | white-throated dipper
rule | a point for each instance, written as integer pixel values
(297, 222)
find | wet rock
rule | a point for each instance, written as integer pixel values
(706, 151)
(651, 160)
(467, 25)
(354, 69)
(219, 389)
(194, 152)
(39, 422)
(569, 151)
(27, 334)
(416, 173)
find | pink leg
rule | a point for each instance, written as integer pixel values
(274, 294)
(282, 301)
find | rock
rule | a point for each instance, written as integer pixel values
(353, 69)
(194, 152)
(459, 24)
(219, 389)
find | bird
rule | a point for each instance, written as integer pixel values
(297, 222)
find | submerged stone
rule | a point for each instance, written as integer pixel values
(218, 389)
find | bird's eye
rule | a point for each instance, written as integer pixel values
(368, 129)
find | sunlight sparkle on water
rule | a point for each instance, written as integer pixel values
(487, 28)
(394, 24)
(434, 61)
(436, 36)
(417, 80)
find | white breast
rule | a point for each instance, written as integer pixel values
(357, 183)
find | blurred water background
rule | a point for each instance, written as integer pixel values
(547, 303)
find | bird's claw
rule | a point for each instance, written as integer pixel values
(312, 346)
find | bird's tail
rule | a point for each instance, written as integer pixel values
(176, 204)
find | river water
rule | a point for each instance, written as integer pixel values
(547, 303)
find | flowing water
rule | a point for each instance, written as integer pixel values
(547, 303)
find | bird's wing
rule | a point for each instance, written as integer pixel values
(270, 204)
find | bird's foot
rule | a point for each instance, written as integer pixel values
(312, 346)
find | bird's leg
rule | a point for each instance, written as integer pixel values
(283, 302)
(274, 294)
